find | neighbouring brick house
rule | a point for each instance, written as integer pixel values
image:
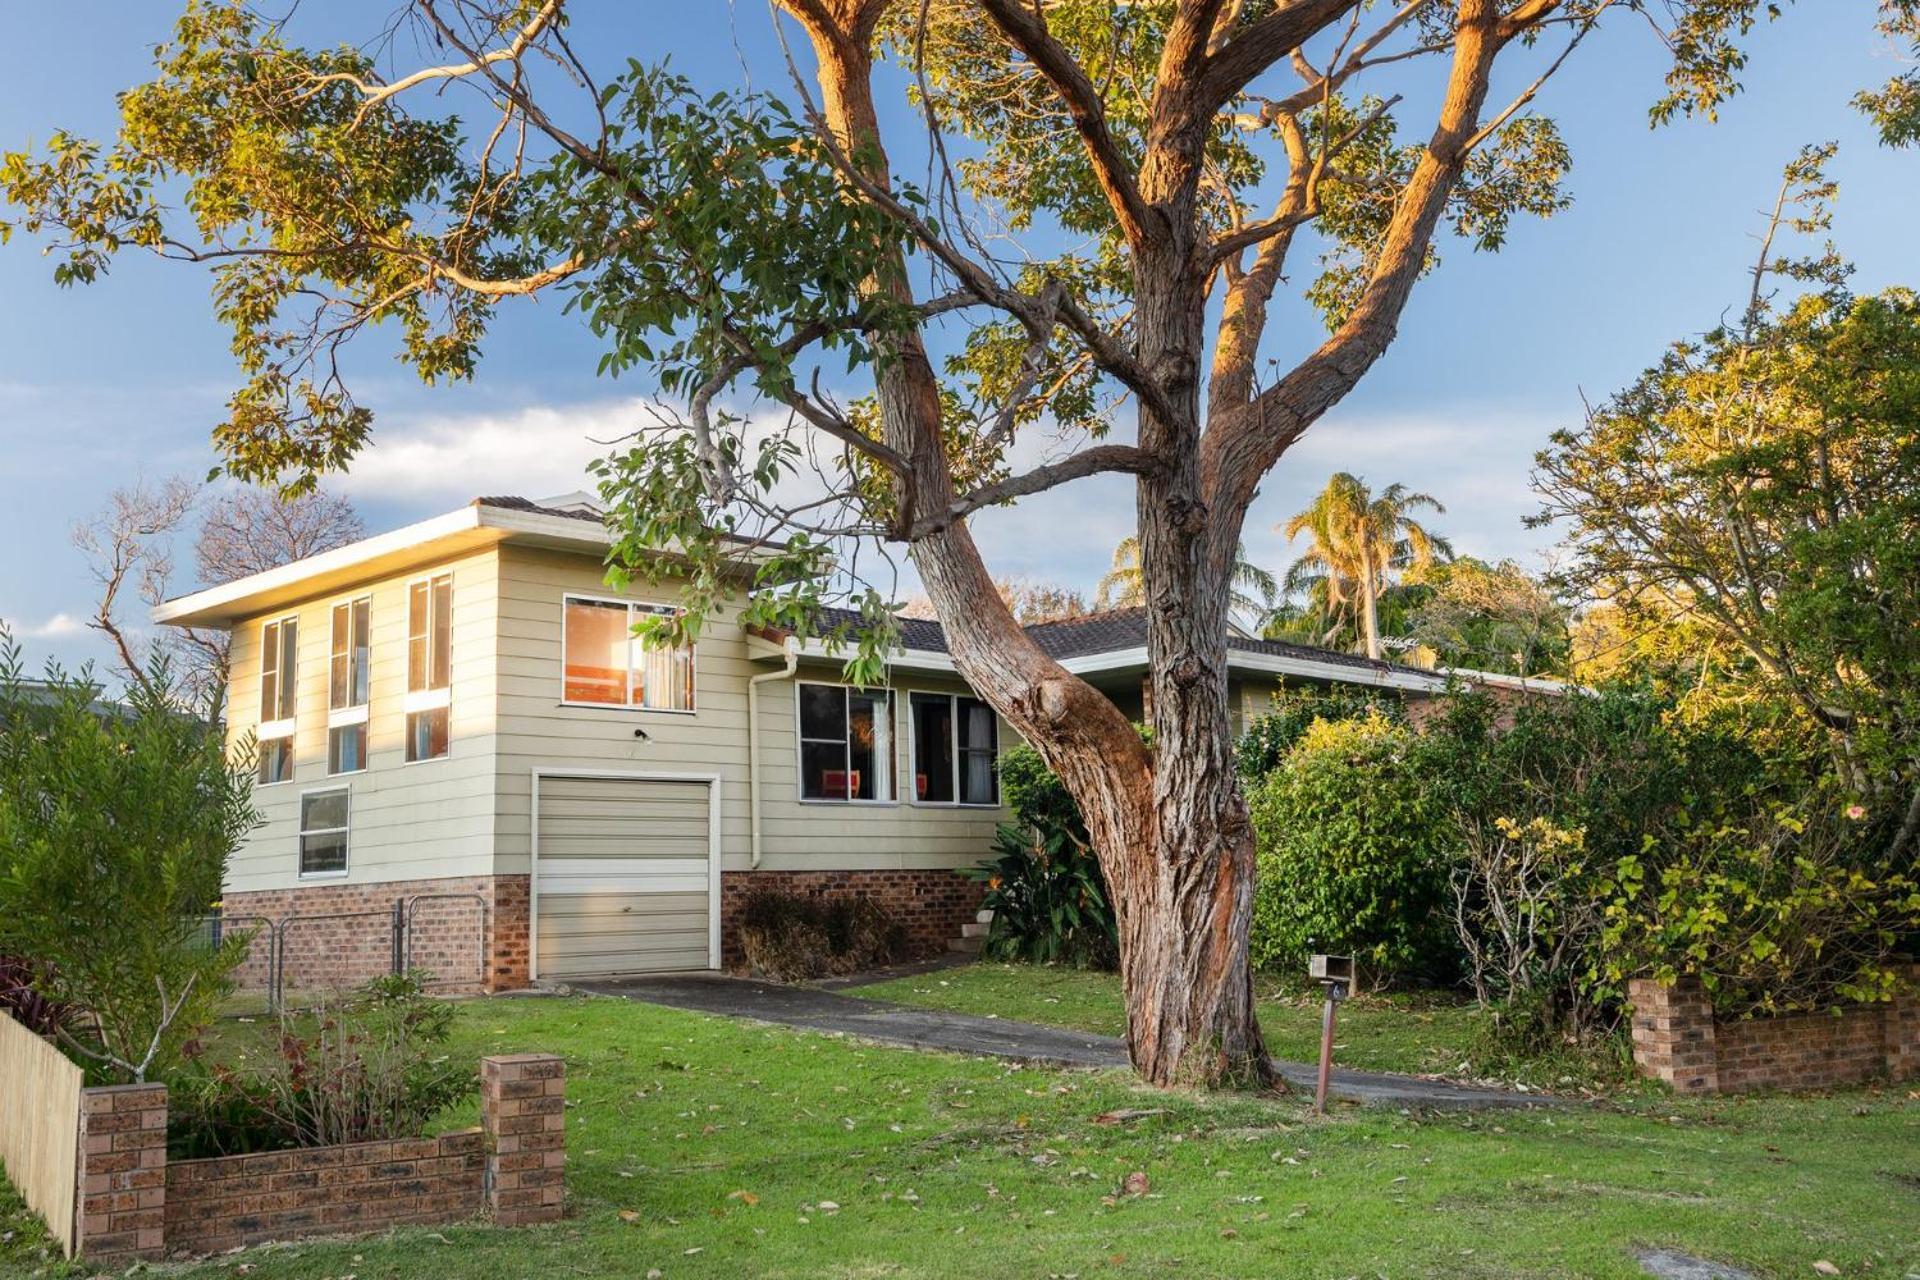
(453, 716)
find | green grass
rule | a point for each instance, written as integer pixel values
(1419, 1033)
(705, 1148)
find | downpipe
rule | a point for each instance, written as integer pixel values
(791, 649)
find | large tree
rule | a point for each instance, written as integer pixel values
(1092, 273)
(1356, 541)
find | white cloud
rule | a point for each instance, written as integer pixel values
(533, 452)
(60, 626)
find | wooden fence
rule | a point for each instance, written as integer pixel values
(39, 1125)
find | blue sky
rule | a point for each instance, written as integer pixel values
(101, 386)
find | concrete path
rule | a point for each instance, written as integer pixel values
(818, 1010)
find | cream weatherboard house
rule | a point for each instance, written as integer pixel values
(455, 711)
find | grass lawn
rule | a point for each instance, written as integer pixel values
(703, 1148)
(1421, 1033)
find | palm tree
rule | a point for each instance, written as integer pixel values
(1358, 541)
(1125, 585)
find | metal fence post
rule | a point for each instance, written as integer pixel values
(399, 936)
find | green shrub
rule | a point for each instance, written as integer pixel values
(1049, 900)
(1268, 739)
(791, 937)
(115, 829)
(1044, 884)
(364, 1070)
(1351, 854)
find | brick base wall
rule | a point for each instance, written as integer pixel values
(1677, 1039)
(134, 1203)
(930, 904)
(230, 1201)
(470, 932)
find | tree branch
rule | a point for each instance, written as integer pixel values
(1123, 458)
(1026, 30)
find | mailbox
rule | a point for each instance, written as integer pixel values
(1331, 970)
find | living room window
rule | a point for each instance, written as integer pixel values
(347, 684)
(323, 832)
(956, 746)
(428, 703)
(279, 690)
(606, 665)
(846, 743)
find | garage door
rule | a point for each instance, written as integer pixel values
(623, 876)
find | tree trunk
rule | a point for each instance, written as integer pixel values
(1369, 612)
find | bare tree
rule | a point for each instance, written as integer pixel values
(129, 548)
(129, 545)
(252, 529)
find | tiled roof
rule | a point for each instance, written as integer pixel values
(1113, 631)
(511, 503)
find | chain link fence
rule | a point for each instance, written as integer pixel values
(300, 958)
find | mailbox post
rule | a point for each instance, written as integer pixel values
(1335, 975)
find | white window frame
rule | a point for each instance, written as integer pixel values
(953, 720)
(893, 746)
(632, 605)
(284, 727)
(301, 833)
(347, 716)
(413, 701)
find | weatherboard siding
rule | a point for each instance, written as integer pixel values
(419, 821)
(538, 732)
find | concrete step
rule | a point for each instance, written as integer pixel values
(970, 946)
(974, 930)
(984, 915)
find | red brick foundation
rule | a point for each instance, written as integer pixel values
(134, 1203)
(469, 932)
(1677, 1039)
(930, 904)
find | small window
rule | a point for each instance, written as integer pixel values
(275, 760)
(323, 832)
(349, 661)
(606, 665)
(956, 747)
(846, 743)
(429, 667)
(279, 692)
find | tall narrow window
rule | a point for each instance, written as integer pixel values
(429, 667)
(956, 745)
(347, 684)
(323, 832)
(606, 665)
(846, 743)
(279, 691)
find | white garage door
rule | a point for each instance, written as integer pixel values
(623, 876)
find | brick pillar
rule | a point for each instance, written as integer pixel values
(120, 1207)
(1902, 1022)
(1673, 1034)
(523, 1098)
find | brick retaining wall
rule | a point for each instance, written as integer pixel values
(228, 1201)
(1676, 1038)
(134, 1203)
(930, 904)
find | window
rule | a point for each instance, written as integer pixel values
(347, 681)
(323, 832)
(429, 667)
(279, 689)
(846, 743)
(606, 665)
(956, 742)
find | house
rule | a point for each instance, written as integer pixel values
(455, 712)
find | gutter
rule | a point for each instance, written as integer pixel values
(791, 650)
